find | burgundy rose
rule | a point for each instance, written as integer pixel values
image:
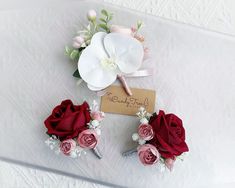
(169, 135)
(145, 132)
(67, 146)
(88, 139)
(68, 120)
(148, 154)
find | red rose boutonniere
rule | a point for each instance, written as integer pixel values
(161, 138)
(74, 128)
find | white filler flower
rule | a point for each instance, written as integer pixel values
(108, 56)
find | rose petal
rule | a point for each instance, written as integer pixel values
(169, 135)
(127, 50)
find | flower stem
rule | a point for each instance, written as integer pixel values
(124, 84)
(97, 152)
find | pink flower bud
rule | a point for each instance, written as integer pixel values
(120, 29)
(91, 15)
(99, 116)
(145, 132)
(148, 154)
(169, 163)
(67, 146)
(139, 37)
(133, 29)
(88, 139)
(78, 41)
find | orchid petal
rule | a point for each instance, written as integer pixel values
(90, 67)
(97, 42)
(93, 88)
(127, 51)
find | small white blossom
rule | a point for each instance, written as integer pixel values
(142, 113)
(148, 114)
(47, 142)
(141, 109)
(51, 147)
(73, 154)
(144, 121)
(141, 141)
(95, 123)
(102, 114)
(135, 137)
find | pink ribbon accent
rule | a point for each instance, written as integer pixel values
(124, 84)
(140, 73)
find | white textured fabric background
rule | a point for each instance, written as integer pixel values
(215, 15)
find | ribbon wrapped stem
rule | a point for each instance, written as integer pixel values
(124, 84)
(97, 152)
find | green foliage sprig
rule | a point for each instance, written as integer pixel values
(107, 17)
(94, 26)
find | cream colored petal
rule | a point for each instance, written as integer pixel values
(90, 67)
(95, 88)
(127, 51)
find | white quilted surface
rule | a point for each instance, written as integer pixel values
(216, 15)
(194, 78)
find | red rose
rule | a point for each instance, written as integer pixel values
(169, 135)
(68, 120)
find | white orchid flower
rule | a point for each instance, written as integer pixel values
(108, 56)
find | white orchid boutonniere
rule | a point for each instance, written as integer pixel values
(106, 52)
(108, 56)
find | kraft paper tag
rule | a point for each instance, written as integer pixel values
(117, 101)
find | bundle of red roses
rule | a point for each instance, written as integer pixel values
(73, 128)
(161, 138)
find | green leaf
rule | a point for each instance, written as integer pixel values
(110, 17)
(104, 12)
(74, 54)
(76, 74)
(103, 20)
(68, 50)
(104, 26)
(139, 24)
